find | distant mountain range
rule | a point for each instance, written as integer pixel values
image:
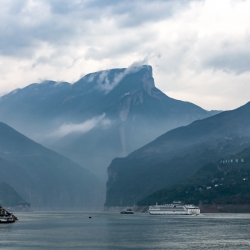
(104, 115)
(44, 178)
(176, 155)
(225, 182)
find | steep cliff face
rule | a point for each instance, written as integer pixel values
(125, 110)
(148, 82)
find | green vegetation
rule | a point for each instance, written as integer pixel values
(215, 183)
(139, 177)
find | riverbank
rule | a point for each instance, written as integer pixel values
(221, 208)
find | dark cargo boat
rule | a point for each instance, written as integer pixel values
(127, 211)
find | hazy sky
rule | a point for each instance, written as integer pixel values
(199, 50)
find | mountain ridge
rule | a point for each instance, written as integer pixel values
(43, 177)
(176, 154)
(103, 115)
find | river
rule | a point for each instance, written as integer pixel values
(75, 230)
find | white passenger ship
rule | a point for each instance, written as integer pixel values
(177, 208)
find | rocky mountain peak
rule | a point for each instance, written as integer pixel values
(148, 81)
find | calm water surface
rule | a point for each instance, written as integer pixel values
(114, 231)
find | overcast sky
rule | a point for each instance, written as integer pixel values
(199, 49)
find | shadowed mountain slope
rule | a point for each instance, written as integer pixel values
(224, 182)
(9, 197)
(44, 178)
(176, 155)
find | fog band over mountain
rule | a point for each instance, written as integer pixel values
(79, 128)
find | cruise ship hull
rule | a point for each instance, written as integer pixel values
(174, 209)
(172, 213)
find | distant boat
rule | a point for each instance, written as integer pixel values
(176, 208)
(6, 217)
(127, 211)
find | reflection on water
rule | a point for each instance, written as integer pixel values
(116, 231)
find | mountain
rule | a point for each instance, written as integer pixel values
(44, 178)
(176, 155)
(9, 197)
(226, 182)
(104, 115)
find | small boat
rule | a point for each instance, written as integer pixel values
(127, 211)
(6, 217)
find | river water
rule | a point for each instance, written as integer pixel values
(74, 230)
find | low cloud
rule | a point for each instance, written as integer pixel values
(104, 83)
(80, 128)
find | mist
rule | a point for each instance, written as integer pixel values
(78, 128)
